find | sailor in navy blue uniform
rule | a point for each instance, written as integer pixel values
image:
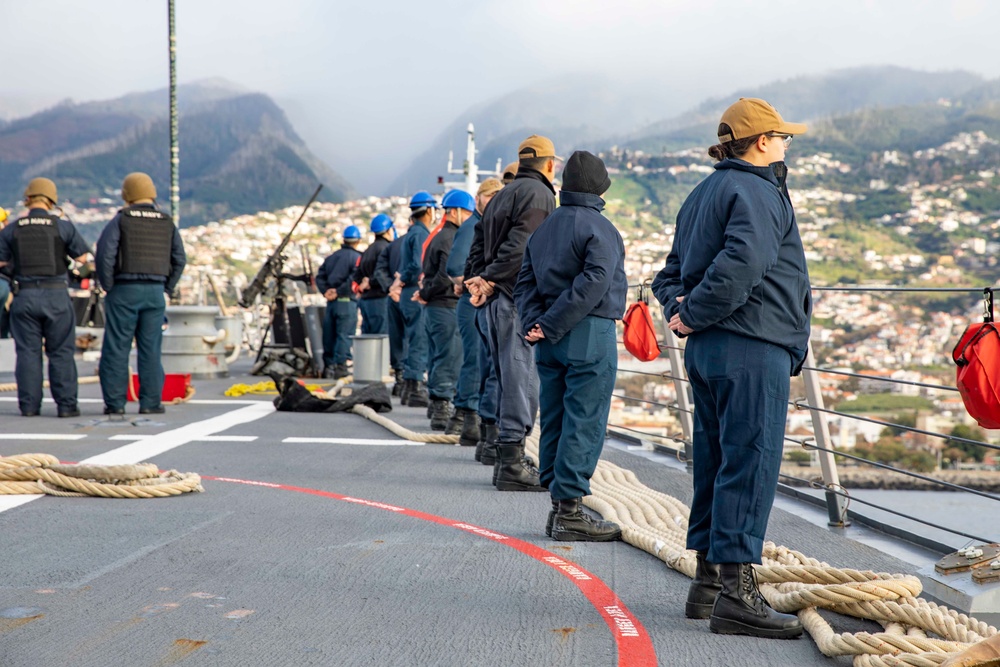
(140, 258)
(385, 274)
(570, 291)
(36, 248)
(422, 206)
(334, 280)
(373, 297)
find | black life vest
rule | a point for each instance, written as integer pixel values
(38, 248)
(146, 240)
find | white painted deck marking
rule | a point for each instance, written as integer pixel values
(208, 438)
(354, 441)
(147, 448)
(163, 442)
(41, 436)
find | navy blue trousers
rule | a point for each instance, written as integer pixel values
(467, 391)
(416, 336)
(576, 377)
(4, 314)
(340, 322)
(38, 314)
(740, 388)
(374, 315)
(444, 352)
(397, 335)
(514, 365)
(132, 311)
(488, 389)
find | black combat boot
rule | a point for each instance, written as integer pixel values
(440, 412)
(552, 516)
(455, 422)
(704, 587)
(469, 434)
(404, 393)
(513, 473)
(528, 462)
(486, 448)
(397, 386)
(418, 397)
(340, 371)
(572, 524)
(740, 609)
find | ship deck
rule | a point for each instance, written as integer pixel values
(322, 539)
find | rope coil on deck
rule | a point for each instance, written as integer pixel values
(917, 633)
(42, 473)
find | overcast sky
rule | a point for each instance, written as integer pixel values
(370, 83)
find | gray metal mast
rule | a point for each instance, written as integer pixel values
(175, 160)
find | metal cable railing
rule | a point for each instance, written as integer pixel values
(882, 508)
(837, 498)
(875, 378)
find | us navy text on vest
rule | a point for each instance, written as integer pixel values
(146, 241)
(38, 247)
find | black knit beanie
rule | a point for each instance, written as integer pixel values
(585, 172)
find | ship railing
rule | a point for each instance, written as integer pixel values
(835, 498)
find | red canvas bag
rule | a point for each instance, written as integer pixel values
(640, 335)
(977, 356)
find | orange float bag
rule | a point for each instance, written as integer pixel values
(977, 356)
(640, 334)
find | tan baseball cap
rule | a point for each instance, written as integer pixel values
(489, 187)
(537, 146)
(751, 116)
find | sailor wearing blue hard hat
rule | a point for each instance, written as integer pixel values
(437, 293)
(334, 280)
(372, 297)
(422, 207)
(475, 393)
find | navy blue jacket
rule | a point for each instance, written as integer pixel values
(75, 245)
(366, 269)
(509, 219)
(574, 267)
(337, 272)
(106, 257)
(461, 246)
(738, 260)
(411, 255)
(388, 264)
(437, 289)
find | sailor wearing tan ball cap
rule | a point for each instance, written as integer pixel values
(736, 284)
(140, 257)
(36, 248)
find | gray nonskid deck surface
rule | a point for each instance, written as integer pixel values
(251, 575)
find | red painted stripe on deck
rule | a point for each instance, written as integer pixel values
(635, 649)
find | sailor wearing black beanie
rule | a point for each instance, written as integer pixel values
(570, 291)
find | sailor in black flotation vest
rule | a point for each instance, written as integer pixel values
(36, 247)
(140, 256)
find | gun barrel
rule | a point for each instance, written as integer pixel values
(272, 267)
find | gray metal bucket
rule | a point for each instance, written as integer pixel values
(193, 344)
(371, 357)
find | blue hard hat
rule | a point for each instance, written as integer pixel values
(352, 233)
(459, 199)
(380, 223)
(423, 199)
